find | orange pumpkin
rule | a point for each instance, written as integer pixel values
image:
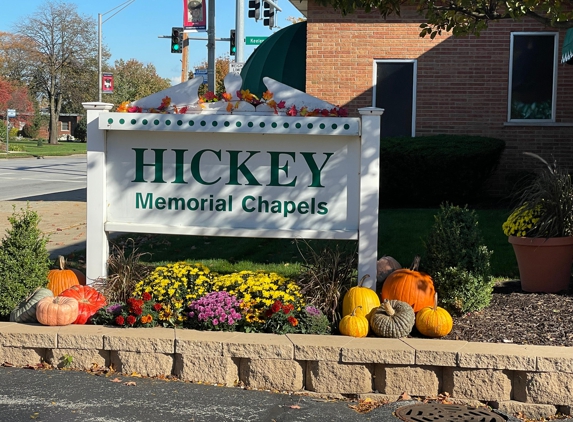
(61, 278)
(411, 286)
(434, 321)
(89, 301)
(57, 310)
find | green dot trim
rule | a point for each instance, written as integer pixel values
(179, 122)
(250, 124)
(226, 124)
(262, 124)
(346, 126)
(121, 121)
(238, 124)
(203, 123)
(133, 121)
(334, 125)
(322, 126)
(110, 121)
(285, 125)
(298, 125)
(215, 123)
(168, 122)
(156, 122)
(274, 124)
(191, 123)
(144, 121)
(310, 126)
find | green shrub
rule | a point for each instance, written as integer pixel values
(458, 260)
(24, 260)
(428, 170)
(81, 130)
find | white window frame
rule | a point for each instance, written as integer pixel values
(414, 84)
(68, 125)
(554, 87)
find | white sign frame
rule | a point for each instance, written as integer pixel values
(293, 163)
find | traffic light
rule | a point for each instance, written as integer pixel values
(232, 43)
(255, 9)
(269, 14)
(176, 40)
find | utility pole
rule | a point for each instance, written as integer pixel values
(211, 46)
(184, 58)
(240, 30)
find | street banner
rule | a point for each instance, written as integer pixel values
(107, 83)
(194, 15)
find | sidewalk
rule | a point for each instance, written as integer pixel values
(62, 218)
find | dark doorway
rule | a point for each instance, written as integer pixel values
(394, 92)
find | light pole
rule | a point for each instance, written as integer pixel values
(99, 24)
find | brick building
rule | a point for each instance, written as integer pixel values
(66, 126)
(507, 83)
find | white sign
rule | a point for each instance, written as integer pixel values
(11, 112)
(235, 67)
(201, 73)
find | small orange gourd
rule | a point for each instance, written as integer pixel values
(411, 286)
(61, 278)
(359, 299)
(354, 325)
(434, 321)
(57, 310)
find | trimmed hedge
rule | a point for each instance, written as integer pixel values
(428, 170)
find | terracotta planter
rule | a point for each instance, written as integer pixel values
(544, 264)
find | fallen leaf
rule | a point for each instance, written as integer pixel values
(116, 380)
(295, 406)
(130, 383)
(135, 374)
(404, 396)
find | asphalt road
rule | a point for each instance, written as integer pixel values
(69, 396)
(29, 178)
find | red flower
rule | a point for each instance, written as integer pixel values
(288, 308)
(146, 296)
(342, 112)
(131, 320)
(157, 307)
(293, 321)
(137, 310)
(119, 320)
(276, 306)
(324, 112)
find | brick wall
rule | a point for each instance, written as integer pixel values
(462, 83)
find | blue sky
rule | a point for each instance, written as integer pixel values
(133, 32)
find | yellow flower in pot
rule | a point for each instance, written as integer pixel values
(540, 229)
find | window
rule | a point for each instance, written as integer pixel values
(65, 126)
(532, 76)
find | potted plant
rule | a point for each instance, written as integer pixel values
(540, 229)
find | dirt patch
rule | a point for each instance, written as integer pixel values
(518, 317)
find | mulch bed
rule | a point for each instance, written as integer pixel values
(518, 317)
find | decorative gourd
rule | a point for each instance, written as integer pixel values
(61, 278)
(354, 325)
(57, 310)
(363, 298)
(89, 301)
(393, 319)
(26, 309)
(434, 321)
(411, 286)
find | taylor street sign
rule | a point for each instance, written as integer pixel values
(254, 40)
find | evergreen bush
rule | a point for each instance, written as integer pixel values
(81, 129)
(458, 260)
(24, 260)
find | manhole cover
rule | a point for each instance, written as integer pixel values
(446, 412)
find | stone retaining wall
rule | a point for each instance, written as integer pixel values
(535, 380)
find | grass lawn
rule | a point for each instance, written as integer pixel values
(402, 232)
(29, 147)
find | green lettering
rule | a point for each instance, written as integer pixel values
(245, 199)
(144, 204)
(316, 172)
(139, 165)
(196, 166)
(235, 167)
(179, 158)
(275, 155)
(174, 203)
(160, 203)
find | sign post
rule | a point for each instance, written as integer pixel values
(9, 113)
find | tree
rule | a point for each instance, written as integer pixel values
(134, 80)
(62, 56)
(464, 17)
(221, 70)
(16, 97)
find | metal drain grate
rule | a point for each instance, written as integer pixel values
(446, 413)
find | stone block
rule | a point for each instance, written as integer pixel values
(22, 356)
(378, 350)
(478, 384)
(316, 347)
(414, 380)
(272, 374)
(146, 364)
(29, 335)
(199, 343)
(87, 337)
(82, 359)
(553, 359)
(207, 369)
(334, 377)
(435, 352)
(531, 411)
(496, 356)
(554, 388)
(259, 346)
(140, 340)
